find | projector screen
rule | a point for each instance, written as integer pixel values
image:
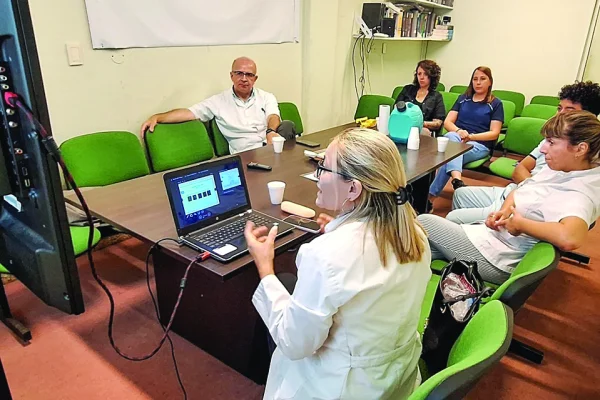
(117, 24)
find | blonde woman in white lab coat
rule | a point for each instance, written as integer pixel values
(349, 330)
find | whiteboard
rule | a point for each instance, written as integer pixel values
(117, 24)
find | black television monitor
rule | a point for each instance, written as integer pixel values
(35, 242)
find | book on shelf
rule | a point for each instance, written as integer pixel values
(410, 20)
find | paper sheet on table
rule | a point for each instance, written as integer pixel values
(311, 176)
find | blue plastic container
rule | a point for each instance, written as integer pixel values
(403, 117)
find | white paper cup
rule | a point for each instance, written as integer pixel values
(278, 144)
(276, 189)
(442, 143)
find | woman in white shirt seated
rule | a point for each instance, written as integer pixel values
(349, 330)
(557, 205)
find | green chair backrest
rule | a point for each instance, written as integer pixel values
(523, 135)
(175, 145)
(104, 158)
(220, 144)
(527, 275)
(484, 341)
(546, 100)
(542, 111)
(460, 89)
(3, 271)
(368, 105)
(515, 97)
(509, 112)
(290, 112)
(397, 91)
(441, 87)
(449, 100)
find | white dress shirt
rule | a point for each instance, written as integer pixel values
(349, 330)
(242, 123)
(548, 196)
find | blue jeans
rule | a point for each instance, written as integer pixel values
(477, 152)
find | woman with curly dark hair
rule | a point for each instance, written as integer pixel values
(423, 94)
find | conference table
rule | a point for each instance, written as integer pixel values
(216, 312)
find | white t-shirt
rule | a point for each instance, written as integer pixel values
(540, 158)
(549, 196)
(242, 123)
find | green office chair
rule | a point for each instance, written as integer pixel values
(440, 87)
(290, 112)
(546, 100)
(515, 97)
(175, 145)
(449, 100)
(484, 341)
(460, 89)
(368, 105)
(79, 238)
(509, 114)
(523, 135)
(541, 111)
(104, 158)
(542, 259)
(219, 142)
(396, 92)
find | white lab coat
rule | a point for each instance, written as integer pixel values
(349, 331)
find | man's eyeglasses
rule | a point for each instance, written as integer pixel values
(240, 74)
(321, 167)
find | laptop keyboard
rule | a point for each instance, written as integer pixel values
(231, 230)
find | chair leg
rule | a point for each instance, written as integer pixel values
(580, 258)
(527, 352)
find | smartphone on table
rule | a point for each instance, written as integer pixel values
(302, 223)
(307, 143)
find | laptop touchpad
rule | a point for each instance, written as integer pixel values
(228, 248)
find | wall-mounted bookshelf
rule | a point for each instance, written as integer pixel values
(414, 39)
(430, 4)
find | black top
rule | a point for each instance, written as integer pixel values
(432, 106)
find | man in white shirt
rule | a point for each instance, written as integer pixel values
(475, 203)
(246, 116)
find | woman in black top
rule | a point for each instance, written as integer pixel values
(423, 93)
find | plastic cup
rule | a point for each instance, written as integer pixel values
(276, 189)
(278, 144)
(442, 143)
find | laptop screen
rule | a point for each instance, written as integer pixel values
(207, 193)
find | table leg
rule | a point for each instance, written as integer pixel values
(421, 192)
(215, 315)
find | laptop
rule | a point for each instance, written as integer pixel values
(210, 206)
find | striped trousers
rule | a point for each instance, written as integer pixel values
(449, 241)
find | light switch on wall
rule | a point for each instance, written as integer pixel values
(74, 53)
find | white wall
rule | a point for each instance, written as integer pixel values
(592, 67)
(532, 46)
(113, 90)
(118, 89)
(328, 94)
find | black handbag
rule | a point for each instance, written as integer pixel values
(442, 327)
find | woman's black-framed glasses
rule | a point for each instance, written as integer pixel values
(321, 167)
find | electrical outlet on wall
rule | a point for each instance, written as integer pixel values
(74, 53)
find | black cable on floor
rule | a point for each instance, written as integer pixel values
(47, 140)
